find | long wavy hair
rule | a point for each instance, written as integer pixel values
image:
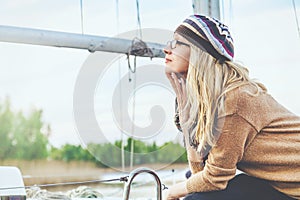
(208, 81)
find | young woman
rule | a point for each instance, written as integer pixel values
(229, 121)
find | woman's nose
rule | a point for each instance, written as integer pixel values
(167, 50)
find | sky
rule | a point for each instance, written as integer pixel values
(265, 36)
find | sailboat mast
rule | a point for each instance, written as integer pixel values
(207, 7)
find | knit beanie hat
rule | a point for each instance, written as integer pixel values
(208, 34)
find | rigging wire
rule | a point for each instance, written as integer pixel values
(132, 71)
(139, 19)
(133, 121)
(223, 11)
(117, 15)
(231, 16)
(134, 84)
(296, 17)
(81, 13)
(121, 179)
(231, 12)
(120, 93)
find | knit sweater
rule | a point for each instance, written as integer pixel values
(259, 137)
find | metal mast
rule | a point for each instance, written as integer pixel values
(207, 7)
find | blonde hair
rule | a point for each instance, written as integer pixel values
(208, 81)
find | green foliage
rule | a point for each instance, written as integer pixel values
(6, 126)
(171, 150)
(70, 153)
(110, 154)
(106, 154)
(21, 136)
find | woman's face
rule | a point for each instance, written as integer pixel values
(177, 56)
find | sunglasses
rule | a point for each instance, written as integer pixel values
(172, 44)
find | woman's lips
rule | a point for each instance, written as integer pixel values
(168, 60)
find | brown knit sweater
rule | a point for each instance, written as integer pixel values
(260, 137)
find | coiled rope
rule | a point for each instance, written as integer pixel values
(35, 191)
(80, 192)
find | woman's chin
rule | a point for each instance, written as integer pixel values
(170, 69)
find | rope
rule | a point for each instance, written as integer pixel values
(139, 48)
(132, 70)
(296, 17)
(84, 192)
(37, 193)
(80, 192)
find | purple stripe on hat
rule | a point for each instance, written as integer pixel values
(213, 30)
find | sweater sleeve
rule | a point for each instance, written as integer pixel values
(221, 164)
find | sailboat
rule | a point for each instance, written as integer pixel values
(91, 43)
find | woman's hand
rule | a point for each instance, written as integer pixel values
(175, 192)
(179, 86)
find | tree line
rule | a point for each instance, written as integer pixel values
(25, 137)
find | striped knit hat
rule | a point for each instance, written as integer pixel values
(208, 34)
